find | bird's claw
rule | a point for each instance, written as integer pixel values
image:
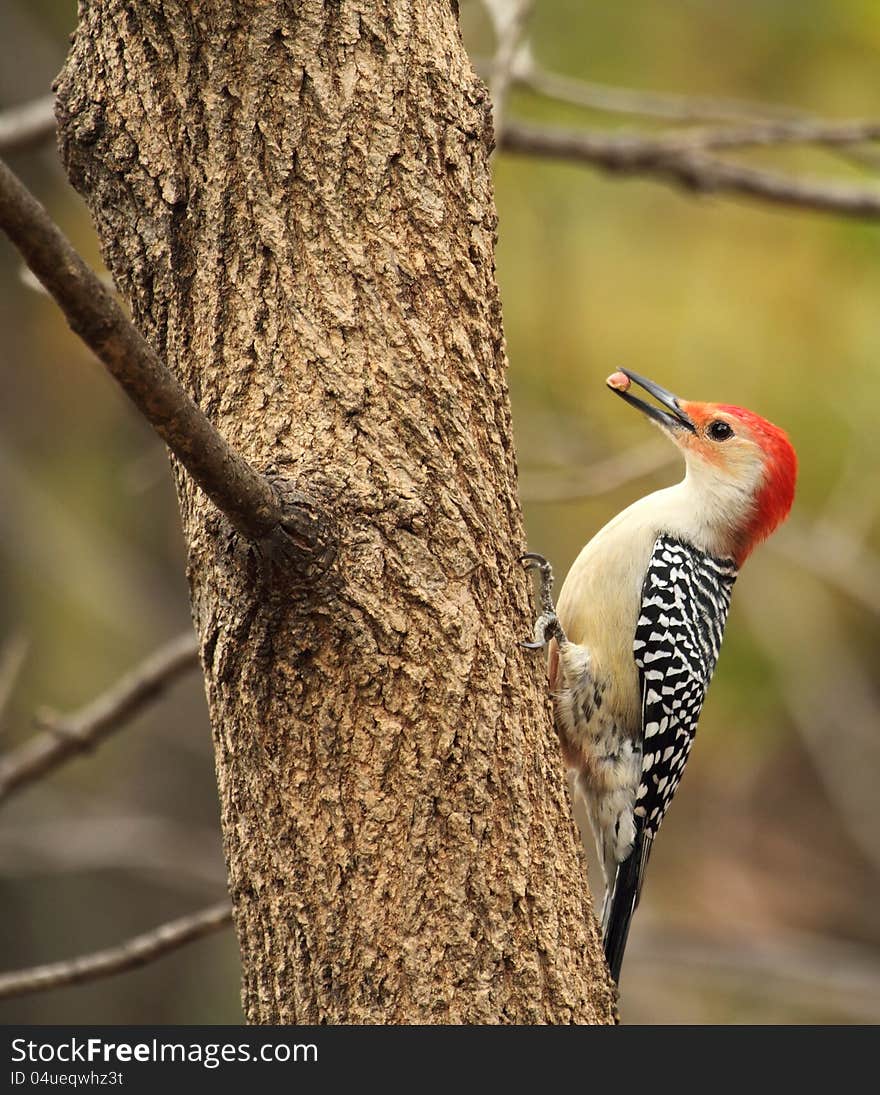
(531, 560)
(547, 624)
(547, 627)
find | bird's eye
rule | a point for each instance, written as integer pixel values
(720, 431)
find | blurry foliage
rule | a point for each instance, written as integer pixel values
(715, 300)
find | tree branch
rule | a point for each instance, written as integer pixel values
(27, 125)
(805, 131)
(68, 737)
(670, 106)
(684, 165)
(674, 107)
(135, 952)
(248, 499)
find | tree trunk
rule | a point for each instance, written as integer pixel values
(295, 200)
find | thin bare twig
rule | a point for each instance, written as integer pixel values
(77, 733)
(806, 131)
(247, 498)
(27, 125)
(669, 106)
(509, 18)
(678, 164)
(138, 951)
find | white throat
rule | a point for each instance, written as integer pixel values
(715, 507)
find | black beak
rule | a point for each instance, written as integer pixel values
(675, 420)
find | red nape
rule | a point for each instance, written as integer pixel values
(775, 498)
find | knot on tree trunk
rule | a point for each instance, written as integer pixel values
(302, 546)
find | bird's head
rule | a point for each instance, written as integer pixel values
(743, 466)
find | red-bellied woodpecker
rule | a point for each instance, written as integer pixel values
(636, 633)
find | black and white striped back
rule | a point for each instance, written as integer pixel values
(685, 598)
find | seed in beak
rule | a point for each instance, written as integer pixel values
(620, 382)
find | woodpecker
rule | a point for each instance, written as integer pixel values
(636, 633)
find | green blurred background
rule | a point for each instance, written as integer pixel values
(761, 901)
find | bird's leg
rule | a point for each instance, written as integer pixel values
(547, 625)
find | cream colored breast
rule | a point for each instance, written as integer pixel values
(599, 602)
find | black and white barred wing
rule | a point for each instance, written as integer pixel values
(685, 598)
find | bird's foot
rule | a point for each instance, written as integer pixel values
(547, 625)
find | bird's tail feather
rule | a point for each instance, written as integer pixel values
(622, 901)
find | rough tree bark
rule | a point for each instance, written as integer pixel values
(296, 202)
